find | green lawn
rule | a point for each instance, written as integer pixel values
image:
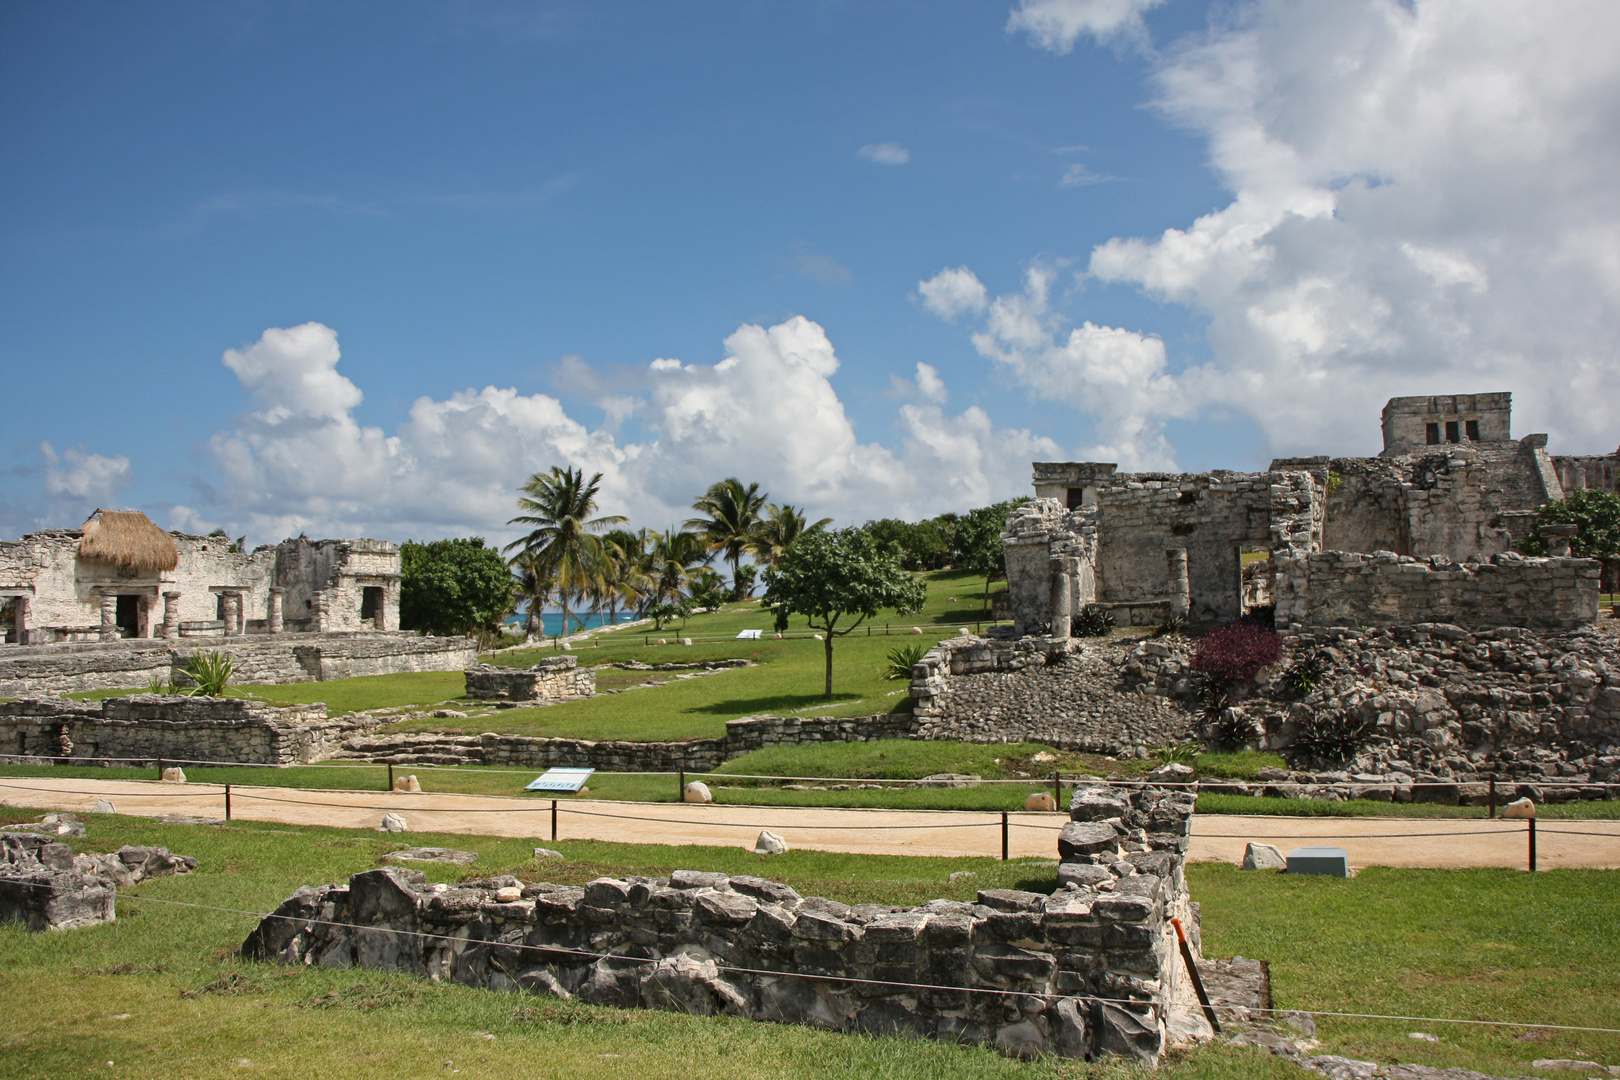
(159, 993)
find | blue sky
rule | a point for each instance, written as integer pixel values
(544, 199)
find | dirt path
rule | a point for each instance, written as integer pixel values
(1446, 843)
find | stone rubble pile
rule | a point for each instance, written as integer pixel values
(553, 679)
(1449, 708)
(46, 887)
(1091, 969)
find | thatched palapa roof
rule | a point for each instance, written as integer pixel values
(127, 538)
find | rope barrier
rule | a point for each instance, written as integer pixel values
(770, 972)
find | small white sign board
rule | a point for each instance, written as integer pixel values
(751, 635)
(567, 781)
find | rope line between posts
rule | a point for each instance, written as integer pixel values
(586, 954)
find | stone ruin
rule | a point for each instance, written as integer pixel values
(1089, 969)
(46, 887)
(1425, 532)
(553, 679)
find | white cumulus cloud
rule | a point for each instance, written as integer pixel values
(767, 411)
(77, 474)
(953, 292)
(1423, 201)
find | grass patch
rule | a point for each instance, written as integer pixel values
(1236, 764)
(159, 992)
(340, 695)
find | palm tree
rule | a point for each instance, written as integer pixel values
(730, 515)
(782, 525)
(673, 554)
(534, 588)
(559, 505)
(622, 579)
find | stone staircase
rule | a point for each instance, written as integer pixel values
(414, 748)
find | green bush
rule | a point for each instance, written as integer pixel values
(905, 657)
(1094, 620)
(211, 672)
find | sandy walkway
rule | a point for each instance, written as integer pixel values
(1216, 837)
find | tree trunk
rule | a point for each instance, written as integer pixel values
(829, 661)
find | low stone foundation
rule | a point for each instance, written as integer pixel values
(1091, 969)
(695, 755)
(151, 726)
(1062, 692)
(260, 659)
(555, 678)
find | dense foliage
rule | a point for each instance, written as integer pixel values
(1236, 652)
(924, 545)
(453, 586)
(1596, 512)
(831, 577)
(1093, 620)
(1332, 736)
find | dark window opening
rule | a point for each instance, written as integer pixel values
(371, 604)
(1434, 434)
(1451, 431)
(219, 606)
(1472, 427)
(1077, 498)
(127, 616)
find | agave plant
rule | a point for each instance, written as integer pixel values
(904, 658)
(211, 672)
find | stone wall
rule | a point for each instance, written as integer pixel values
(280, 658)
(1599, 472)
(1066, 694)
(555, 678)
(1336, 588)
(1406, 419)
(151, 726)
(694, 755)
(1091, 969)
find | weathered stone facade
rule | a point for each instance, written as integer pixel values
(214, 590)
(1451, 487)
(281, 658)
(555, 678)
(1091, 969)
(147, 727)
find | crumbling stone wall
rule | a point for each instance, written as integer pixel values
(1089, 970)
(152, 726)
(1064, 693)
(1337, 588)
(554, 678)
(44, 886)
(325, 583)
(280, 658)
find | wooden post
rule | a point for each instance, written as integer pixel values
(390, 776)
(1492, 796)
(1057, 789)
(160, 767)
(1004, 836)
(554, 819)
(1532, 845)
(680, 785)
(227, 802)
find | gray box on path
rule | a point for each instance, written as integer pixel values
(1331, 861)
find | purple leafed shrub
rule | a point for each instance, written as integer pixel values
(1236, 652)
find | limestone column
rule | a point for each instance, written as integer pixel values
(109, 616)
(1180, 584)
(273, 619)
(19, 620)
(233, 613)
(1058, 574)
(171, 615)
(388, 617)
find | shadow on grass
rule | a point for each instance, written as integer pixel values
(774, 703)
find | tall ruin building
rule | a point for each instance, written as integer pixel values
(120, 576)
(1425, 531)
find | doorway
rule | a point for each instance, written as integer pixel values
(371, 606)
(128, 616)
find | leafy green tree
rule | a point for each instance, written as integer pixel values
(829, 577)
(453, 586)
(977, 544)
(533, 591)
(667, 611)
(922, 544)
(671, 556)
(560, 504)
(781, 526)
(621, 579)
(729, 514)
(1596, 512)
